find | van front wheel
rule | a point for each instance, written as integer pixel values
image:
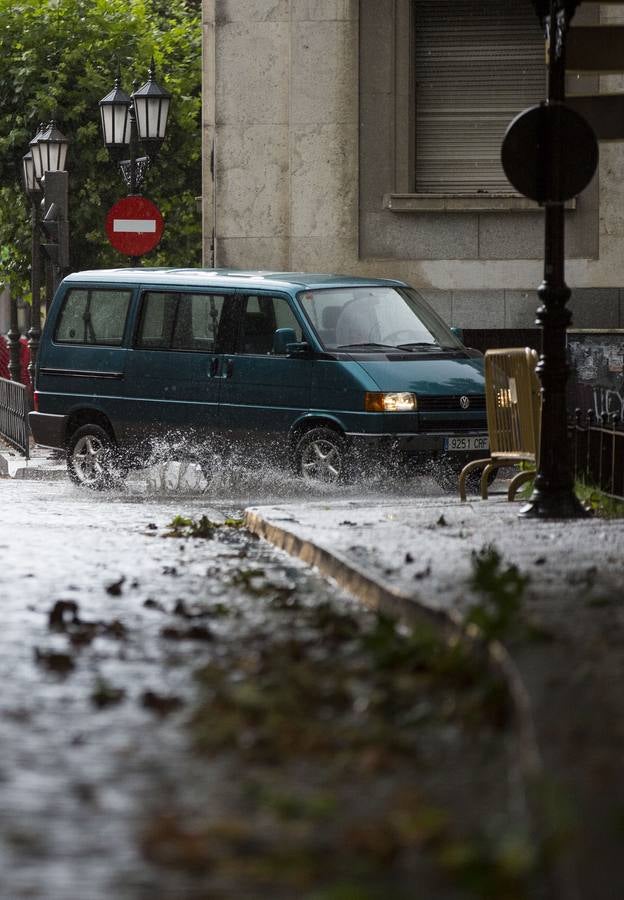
(90, 457)
(320, 456)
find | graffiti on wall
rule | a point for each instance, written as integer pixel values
(597, 372)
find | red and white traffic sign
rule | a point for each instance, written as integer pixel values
(134, 225)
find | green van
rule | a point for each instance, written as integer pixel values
(320, 370)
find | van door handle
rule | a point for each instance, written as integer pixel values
(214, 367)
(229, 368)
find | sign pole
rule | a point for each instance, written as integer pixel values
(553, 495)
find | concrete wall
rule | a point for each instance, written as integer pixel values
(285, 126)
(302, 162)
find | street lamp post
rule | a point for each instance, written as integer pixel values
(33, 189)
(131, 120)
(45, 159)
(553, 495)
(49, 178)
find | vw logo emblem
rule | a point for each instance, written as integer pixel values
(464, 402)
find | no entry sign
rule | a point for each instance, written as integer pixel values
(134, 225)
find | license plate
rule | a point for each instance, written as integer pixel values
(466, 443)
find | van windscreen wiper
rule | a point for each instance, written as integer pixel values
(365, 344)
(424, 345)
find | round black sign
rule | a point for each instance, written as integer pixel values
(549, 153)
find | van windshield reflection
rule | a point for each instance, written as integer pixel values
(375, 318)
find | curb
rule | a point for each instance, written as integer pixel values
(38, 473)
(39, 467)
(30, 471)
(347, 574)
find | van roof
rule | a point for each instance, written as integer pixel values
(225, 278)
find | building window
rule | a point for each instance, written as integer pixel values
(476, 65)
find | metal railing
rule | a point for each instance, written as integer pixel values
(14, 409)
(598, 452)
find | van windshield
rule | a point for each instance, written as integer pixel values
(375, 318)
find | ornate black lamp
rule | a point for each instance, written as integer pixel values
(49, 150)
(128, 120)
(47, 153)
(115, 116)
(31, 184)
(151, 108)
(33, 189)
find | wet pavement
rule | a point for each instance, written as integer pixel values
(421, 547)
(91, 710)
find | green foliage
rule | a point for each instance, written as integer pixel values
(59, 58)
(330, 710)
(592, 498)
(600, 504)
(502, 589)
(184, 527)
(105, 694)
(180, 526)
(491, 869)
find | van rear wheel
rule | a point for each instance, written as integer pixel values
(320, 455)
(91, 458)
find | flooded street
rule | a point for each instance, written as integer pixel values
(81, 747)
(152, 744)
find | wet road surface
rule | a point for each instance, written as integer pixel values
(109, 609)
(83, 739)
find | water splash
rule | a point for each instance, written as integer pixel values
(182, 466)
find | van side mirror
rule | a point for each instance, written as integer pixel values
(285, 343)
(458, 332)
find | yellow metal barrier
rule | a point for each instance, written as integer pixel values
(513, 403)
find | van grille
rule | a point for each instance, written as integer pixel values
(453, 426)
(450, 403)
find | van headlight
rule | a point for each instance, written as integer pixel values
(390, 402)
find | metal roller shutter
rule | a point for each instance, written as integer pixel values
(477, 63)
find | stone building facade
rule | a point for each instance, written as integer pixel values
(314, 159)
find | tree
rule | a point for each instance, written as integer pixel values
(59, 58)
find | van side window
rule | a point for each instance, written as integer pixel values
(179, 321)
(93, 317)
(261, 317)
(197, 322)
(158, 313)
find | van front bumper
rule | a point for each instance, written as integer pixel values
(48, 430)
(421, 451)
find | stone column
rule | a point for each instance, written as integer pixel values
(324, 115)
(281, 122)
(208, 132)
